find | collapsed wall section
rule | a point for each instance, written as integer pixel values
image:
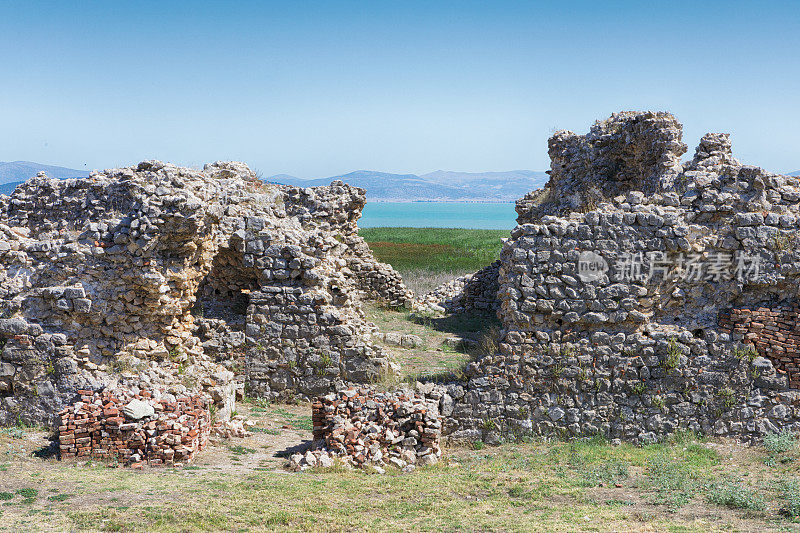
(465, 294)
(365, 427)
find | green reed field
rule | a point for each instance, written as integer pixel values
(427, 257)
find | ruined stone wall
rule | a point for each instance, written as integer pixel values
(473, 292)
(773, 332)
(336, 210)
(305, 330)
(610, 310)
(161, 276)
(628, 151)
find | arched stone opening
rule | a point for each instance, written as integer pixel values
(221, 307)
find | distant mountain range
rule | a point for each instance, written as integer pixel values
(15, 172)
(436, 186)
(23, 170)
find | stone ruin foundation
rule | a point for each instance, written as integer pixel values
(639, 295)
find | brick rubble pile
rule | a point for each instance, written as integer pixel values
(134, 428)
(370, 428)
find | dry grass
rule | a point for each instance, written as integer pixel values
(422, 281)
(584, 485)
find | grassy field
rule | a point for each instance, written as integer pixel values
(681, 485)
(427, 257)
(435, 358)
(435, 249)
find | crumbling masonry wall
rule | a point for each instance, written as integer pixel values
(616, 289)
(161, 277)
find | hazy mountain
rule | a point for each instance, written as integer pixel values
(24, 170)
(441, 185)
(8, 188)
(435, 186)
(462, 178)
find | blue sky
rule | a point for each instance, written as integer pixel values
(316, 89)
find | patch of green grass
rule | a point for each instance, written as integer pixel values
(280, 518)
(28, 493)
(435, 249)
(790, 494)
(672, 483)
(737, 496)
(303, 422)
(240, 450)
(6, 496)
(60, 497)
(268, 431)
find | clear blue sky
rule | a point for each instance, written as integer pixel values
(317, 89)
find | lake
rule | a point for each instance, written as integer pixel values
(439, 215)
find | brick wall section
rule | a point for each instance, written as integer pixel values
(775, 332)
(96, 427)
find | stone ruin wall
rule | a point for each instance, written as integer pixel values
(160, 277)
(465, 294)
(207, 282)
(642, 355)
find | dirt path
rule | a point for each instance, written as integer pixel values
(279, 431)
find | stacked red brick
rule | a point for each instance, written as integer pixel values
(372, 427)
(96, 427)
(775, 333)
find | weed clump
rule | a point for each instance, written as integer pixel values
(782, 442)
(737, 496)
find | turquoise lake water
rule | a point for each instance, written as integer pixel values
(438, 215)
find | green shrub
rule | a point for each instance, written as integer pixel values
(790, 493)
(737, 496)
(673, 358)
(782, 442)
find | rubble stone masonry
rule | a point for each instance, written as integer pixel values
(632, 294)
